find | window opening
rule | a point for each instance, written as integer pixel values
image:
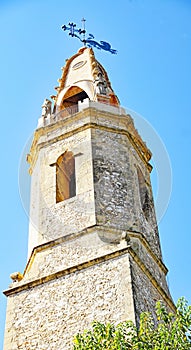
(144, 194)
(65, 177)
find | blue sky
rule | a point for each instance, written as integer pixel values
(150, 74)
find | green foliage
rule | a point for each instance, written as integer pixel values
(172, 332)
(106, 337)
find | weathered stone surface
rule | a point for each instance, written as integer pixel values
(108, 194)
(144, 292)
(50, 220)
(49, 315)
(91, 244)
(96, 255)
(72, 251)
(117, 196)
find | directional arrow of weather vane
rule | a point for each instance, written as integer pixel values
(90, 42)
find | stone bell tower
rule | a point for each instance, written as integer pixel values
(94, 250)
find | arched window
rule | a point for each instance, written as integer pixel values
(65, 177)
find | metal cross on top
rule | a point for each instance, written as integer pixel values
(90, 42)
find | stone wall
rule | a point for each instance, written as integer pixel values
(50, 220)
(117, 197)
(145, 293)
(155, 267)
(49, 315)
(114, 190)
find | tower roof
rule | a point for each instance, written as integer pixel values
(83, 77)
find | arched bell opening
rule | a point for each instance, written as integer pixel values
(72, 96)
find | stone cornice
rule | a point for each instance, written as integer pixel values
(146, 245)
(64, 272)
(118, 237)
(117, 233)
(85, 265)
(122, 124)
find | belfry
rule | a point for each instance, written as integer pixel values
(94, 251)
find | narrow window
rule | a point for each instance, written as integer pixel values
(144, 194)
(65, 177)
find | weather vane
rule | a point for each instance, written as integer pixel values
(89, 41)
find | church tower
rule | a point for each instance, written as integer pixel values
(94, 251)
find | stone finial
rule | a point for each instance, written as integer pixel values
(16, 276)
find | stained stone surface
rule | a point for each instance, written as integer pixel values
(117, 197)
(49, 315)
(93, 256)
